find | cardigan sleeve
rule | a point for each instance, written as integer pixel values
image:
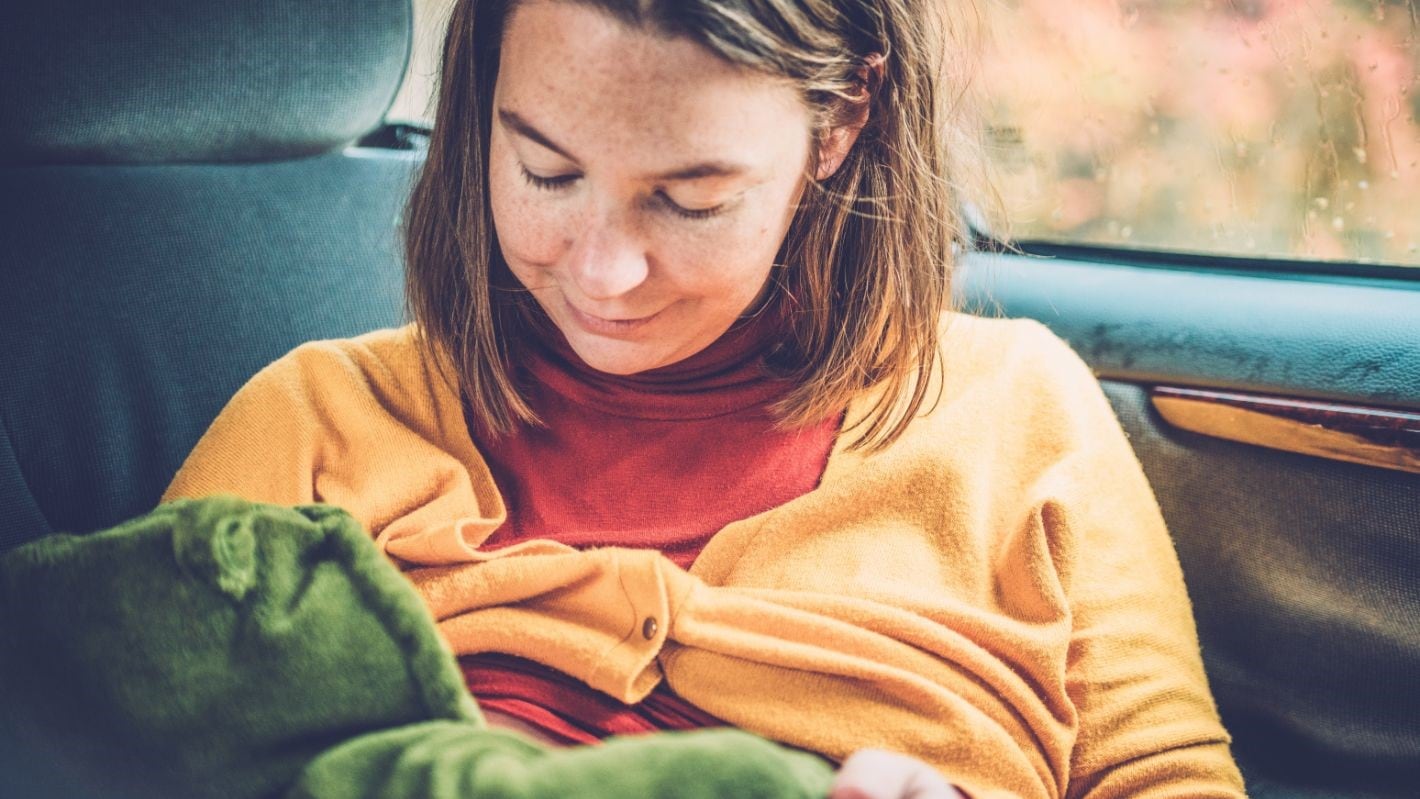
(1147, 724)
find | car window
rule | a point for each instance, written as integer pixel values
(1263, 128)
(415, 101)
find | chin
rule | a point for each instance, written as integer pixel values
(619, 369)
(622, 359)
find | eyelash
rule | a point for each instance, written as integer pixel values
(562, 181)
(548, 184)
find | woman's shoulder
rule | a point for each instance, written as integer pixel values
(995, 371)
(386, 364)
(391, 346)
(1011, 380)
(1020, 353)
(388, 350)
(355, 396)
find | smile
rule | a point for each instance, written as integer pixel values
(607, 327)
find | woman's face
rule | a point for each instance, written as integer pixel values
(641, 186)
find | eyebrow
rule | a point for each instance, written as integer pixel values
(707, 169)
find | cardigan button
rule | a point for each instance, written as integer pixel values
(649, 628)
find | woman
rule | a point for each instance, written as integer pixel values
(684, 433)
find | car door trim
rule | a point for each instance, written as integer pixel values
(1372, 436)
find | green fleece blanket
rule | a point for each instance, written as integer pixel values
(222, 648)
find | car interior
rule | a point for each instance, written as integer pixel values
(192, 189)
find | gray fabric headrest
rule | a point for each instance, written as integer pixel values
(162, 81)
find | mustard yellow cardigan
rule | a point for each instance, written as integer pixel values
(995, 593)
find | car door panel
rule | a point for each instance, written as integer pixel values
(1304, 571)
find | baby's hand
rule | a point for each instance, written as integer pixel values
(880, 774)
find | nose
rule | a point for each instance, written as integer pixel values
(606, 261)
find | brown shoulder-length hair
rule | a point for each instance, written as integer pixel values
(864, 269)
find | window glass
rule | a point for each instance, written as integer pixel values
(415, 101)
(1269, 128)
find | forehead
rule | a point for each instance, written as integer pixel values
(594, 84)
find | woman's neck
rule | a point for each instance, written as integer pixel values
(725, 377)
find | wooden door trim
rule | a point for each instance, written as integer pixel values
(1372, 436)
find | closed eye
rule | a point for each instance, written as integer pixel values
(689, 213)
(558, 182)
(549, 183)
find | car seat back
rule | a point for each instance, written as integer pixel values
(181, 206)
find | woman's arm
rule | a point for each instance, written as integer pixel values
(1147, 725)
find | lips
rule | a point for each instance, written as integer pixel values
(607, 327)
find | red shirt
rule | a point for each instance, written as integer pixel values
(659, 460)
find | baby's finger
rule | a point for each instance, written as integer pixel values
(880, 774)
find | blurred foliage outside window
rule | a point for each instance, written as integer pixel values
(1264, 128)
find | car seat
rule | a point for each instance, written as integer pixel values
(183, 204)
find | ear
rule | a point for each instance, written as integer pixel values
(838, 140)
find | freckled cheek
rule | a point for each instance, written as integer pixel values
(532, 230)
(729, 265)
(533, 239)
